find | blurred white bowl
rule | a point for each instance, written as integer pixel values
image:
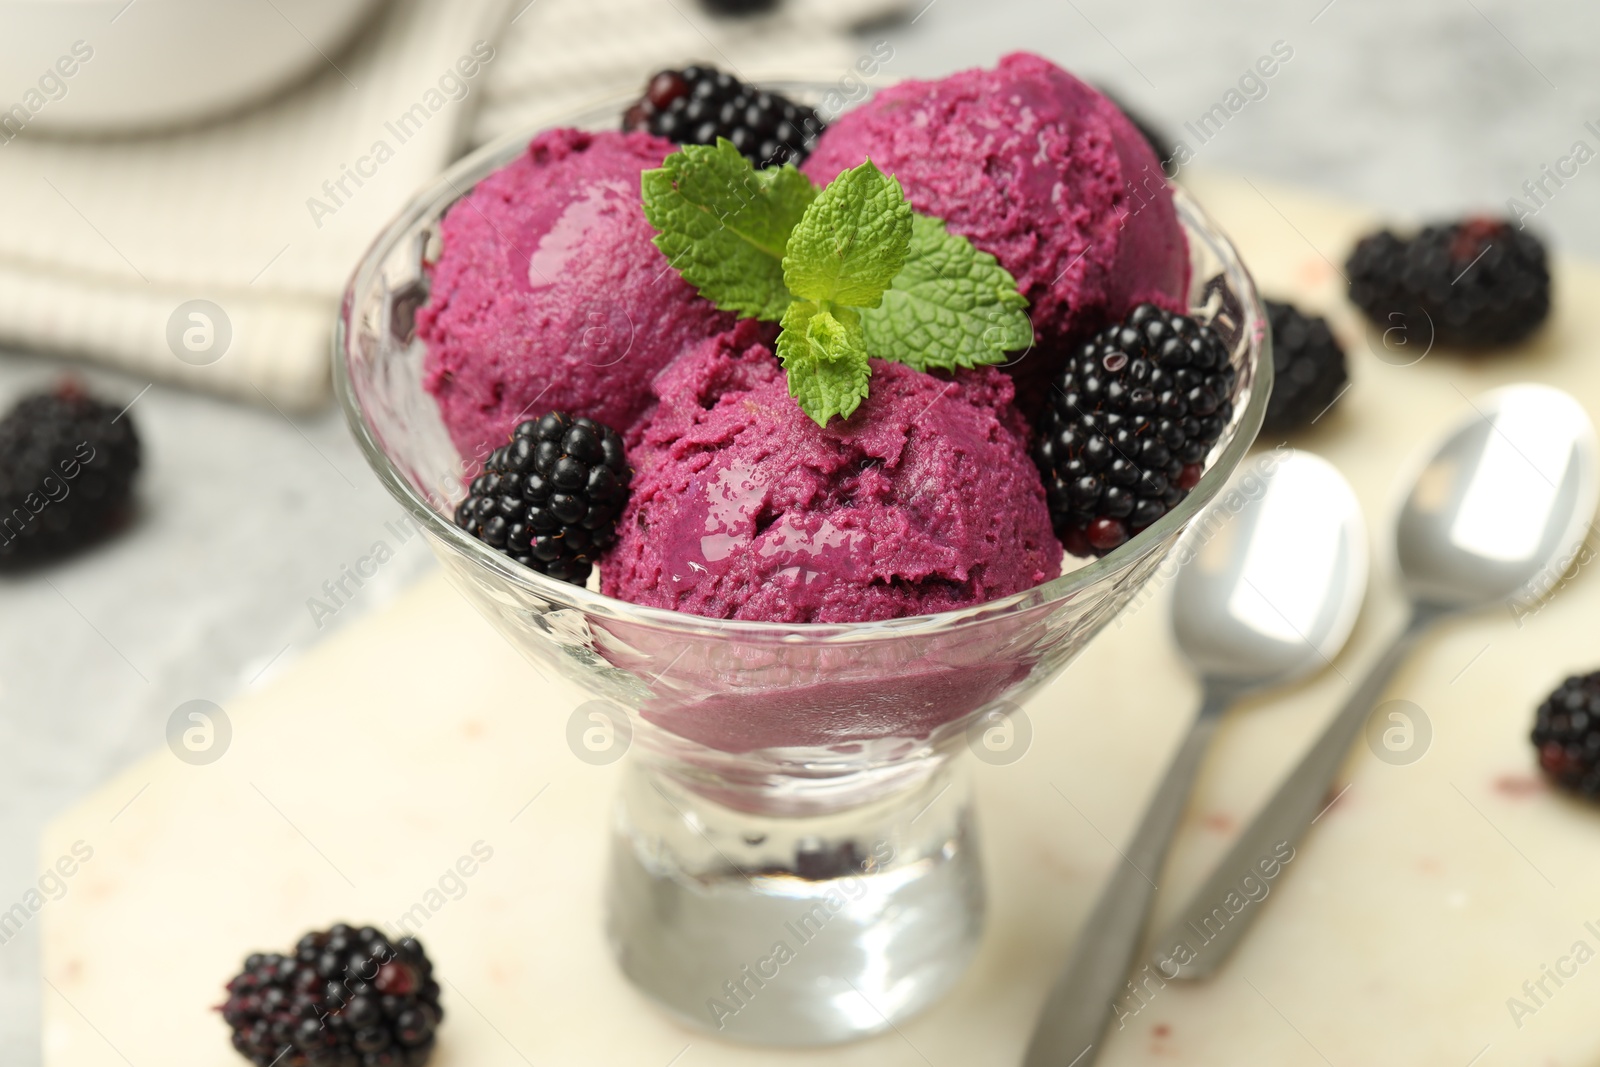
(118, 66)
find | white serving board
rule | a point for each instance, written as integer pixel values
(1425, 899)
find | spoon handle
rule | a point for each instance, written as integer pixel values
(1082, 1002)
(1221, 910)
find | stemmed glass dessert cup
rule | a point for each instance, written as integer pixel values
(793, 853)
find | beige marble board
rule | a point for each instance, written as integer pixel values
(1429, 894)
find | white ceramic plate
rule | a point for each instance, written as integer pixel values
(118, 66)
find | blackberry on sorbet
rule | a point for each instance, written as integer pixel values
(1125, 432)
(550, 497)
(1480, 282)
(1566, 731)
(67, 464)
(698, 104)
(344, 997)
(1308, 369)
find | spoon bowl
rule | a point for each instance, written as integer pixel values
(1274, 579)
(1498, 511)
(1510, 488)
(1274, 594)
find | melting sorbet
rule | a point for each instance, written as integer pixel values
(548, 294)
(743, 508)
(1038, 169)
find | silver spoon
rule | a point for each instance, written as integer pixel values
(1276, 581)
(1495, 514)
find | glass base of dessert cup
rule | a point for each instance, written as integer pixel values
(774, 769)
(794, 930)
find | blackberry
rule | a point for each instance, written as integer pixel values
(1125, 432)
(1566, 731)
(67, 464)
(550, 497)
(1481, 282)
(1308, 372)
(343, 998)
(696, 105)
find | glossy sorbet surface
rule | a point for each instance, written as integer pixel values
(549, 295)
(923, 501)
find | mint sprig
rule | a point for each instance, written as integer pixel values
(844, 253)
(848, 272)
(851, 241)
(950, 307)
(825, 357)
(724, 225)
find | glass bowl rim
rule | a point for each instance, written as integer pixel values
(1063, 588)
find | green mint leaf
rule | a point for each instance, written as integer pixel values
(724, 225)
(951, 306)
(851, 241)
(825, 357)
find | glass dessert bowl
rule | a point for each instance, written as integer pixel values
(793, 851)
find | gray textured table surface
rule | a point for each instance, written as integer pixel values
(1432, 106)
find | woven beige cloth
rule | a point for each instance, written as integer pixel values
(265, 214)
(560, 54)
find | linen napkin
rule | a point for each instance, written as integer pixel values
(216, 256)
(561, 54)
